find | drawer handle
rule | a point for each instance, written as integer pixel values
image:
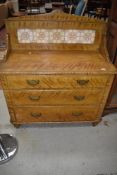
(34, 98)
(79, 98)
(33, 82)
(36, 114)
(82, 82)
(77, 114)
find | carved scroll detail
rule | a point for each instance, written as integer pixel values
(3, 80)
(12, 115)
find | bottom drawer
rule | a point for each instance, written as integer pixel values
(55, 114)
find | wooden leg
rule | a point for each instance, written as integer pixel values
(95, 123)
(17, 125)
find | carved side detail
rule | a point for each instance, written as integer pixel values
(107, 88)
(12, 115)
(103, 47)
(8, 98)
(104, 100)
(5, 87)
(3, 80)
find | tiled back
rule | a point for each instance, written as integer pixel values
(56, 36)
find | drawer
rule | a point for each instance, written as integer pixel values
(55, 114)
(56, 97)
(55, 81)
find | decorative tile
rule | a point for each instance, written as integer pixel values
(41, 36)
(71, 36)
(80, 36)
(25, 36)
(88, 36)
(56, 36)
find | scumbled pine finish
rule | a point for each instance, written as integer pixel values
(57, 69)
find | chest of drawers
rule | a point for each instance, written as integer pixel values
(56, 85)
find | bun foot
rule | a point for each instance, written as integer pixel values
(95, 123)
(17, 125)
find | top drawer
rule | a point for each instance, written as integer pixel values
(55, 81)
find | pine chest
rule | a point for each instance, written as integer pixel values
(57, 69)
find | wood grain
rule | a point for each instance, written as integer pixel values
(55, 114)
(56, 82)
(57, 63)
(56, 97)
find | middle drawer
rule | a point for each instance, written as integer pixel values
(56, 97)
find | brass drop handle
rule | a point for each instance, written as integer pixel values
(33, 82)
(36, 115)
(79, 98)
(34, 98)
(82, 82)
(77, 114)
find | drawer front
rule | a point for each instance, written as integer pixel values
(55, 81)
(55, 114)
(57, 97)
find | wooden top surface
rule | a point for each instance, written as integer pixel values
(57, 63)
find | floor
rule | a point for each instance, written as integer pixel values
(62, 150)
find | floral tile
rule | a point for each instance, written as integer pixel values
(56, 36)
(71, 36)
(25, 36)
(41, 36)
(80, 36)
